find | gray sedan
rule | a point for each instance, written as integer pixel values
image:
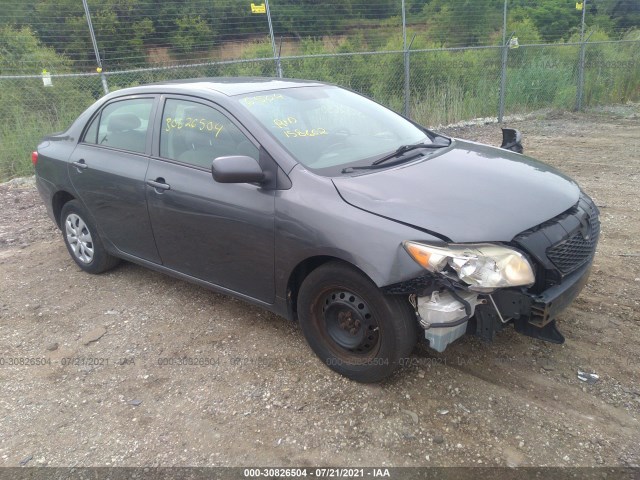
(324, 207)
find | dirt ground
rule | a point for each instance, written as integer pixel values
(251, 391)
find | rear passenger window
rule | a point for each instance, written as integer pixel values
(195, 134)
(122, 125)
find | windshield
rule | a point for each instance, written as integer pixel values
(328, 128)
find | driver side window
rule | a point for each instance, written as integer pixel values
(195, 134)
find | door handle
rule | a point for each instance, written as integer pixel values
(80, 165)
(159, 184)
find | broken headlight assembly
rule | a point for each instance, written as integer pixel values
(483, 267)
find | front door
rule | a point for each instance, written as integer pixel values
(220, 233)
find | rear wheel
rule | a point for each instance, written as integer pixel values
(352, 326)
(82, 240)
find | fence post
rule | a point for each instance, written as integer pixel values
(503, 68)
(503, 80)
(406, 61)
(580, 89)
(407, 79)
(103, 77)
(276, 57)
(407, 86)
(583, 42)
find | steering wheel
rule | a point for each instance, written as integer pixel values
(338, 143)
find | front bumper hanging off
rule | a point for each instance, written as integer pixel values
(532, 314)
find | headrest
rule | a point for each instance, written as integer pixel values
(198, 112)
(122, 122)
(196, 138)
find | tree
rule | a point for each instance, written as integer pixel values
(624, 13)
(464, 22)
(191, 32)
(20, 51)
(15, 13)
(28, 109)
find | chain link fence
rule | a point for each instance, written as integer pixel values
(447, 86)
(444, 85)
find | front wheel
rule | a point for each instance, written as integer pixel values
(352, 326)
(82, 240)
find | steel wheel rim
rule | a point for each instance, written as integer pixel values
(349, 324)
(79, 238)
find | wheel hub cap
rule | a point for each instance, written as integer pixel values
(349, 322)
(79, 238)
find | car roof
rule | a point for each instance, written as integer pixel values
(229, 86)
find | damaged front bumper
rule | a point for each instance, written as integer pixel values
(561, 251)
(531, 314)
(446, 315)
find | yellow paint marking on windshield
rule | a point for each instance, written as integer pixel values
(314, 132)
(262, 99)
(284, 123)
(201, 124)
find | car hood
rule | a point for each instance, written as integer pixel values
(466, 193)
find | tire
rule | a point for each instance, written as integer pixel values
(82, 240)
(352, 326)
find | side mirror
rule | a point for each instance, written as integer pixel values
(512, 140)
(236, 169)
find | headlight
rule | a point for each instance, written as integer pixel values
(484, 267)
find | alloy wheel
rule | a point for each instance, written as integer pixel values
(79, 238)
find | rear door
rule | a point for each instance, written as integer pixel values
(220, 233)
(107, 170)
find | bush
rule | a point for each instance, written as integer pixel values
(30, 110)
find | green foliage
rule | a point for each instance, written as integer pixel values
(20, 45)
(612, 73)
(14, 13)
(415, 7)
(127, 29)
(121, 40)
(190, 33)
(245, 23)
(541, 76)
(465, 22)
(556, 20)
(446, 86)
(525, 30)
(624, 14)
(120, 31)
(595, 35)
(304, 18)
(29, 109)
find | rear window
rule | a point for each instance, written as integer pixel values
(122, 124)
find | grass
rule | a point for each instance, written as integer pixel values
(29, 111)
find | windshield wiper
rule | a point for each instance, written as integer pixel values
(383, 162)
(407, 148)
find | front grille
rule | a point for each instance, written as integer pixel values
(575, 251)
(558, 246)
